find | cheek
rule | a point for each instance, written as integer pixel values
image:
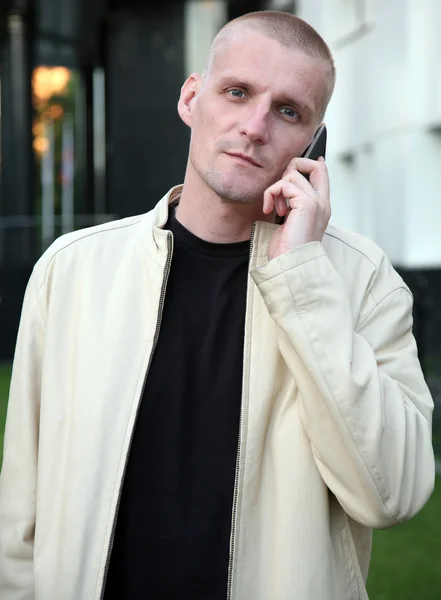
(283, 156)
(215, 119)
(201, 144)
(212, 128)
(208, 138)
(293, 148)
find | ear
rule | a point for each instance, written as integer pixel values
(189, 91)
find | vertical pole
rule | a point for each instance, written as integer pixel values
(47, 190)
(99, 141)
(16, 140)
(67, 175)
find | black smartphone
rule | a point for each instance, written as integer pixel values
(317, 147)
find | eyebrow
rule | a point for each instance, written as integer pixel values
(283, 98)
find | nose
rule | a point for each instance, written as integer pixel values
(255, 123)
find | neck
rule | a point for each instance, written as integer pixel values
(210, 218)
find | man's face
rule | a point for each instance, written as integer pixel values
(256, 109)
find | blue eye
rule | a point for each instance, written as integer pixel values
(289, 112)
(236, 93)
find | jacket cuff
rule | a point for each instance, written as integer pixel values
(306, 279)
(286, 262)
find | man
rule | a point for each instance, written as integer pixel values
(206, 404)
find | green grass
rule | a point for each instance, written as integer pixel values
(406, 560)
(5, 375)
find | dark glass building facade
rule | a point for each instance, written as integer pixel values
(89, 127)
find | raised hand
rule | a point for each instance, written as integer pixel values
(304, 204)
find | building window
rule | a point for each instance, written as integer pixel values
(58, 144)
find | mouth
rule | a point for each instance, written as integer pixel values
(245, 158)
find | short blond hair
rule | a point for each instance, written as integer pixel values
(290, 31)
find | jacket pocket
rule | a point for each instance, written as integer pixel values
(356, 589)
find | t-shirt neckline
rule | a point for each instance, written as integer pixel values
(196, 244)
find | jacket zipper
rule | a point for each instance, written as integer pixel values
(155, 341)
(236, 481)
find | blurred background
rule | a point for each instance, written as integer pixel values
(89, 132)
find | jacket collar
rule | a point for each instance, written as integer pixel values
(154, 237)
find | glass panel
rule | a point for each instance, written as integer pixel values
(99, 142)
(57, 143)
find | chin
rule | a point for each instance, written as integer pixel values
(237, 192)
(239, 197)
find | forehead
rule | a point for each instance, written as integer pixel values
(249, 55)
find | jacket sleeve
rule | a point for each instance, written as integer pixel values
(363, 400)
(19, 471)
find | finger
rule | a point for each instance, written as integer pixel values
(323, 188)
(281, 206)
(317, 171)
(268, 203)
(300, 180)
(292, 166)
(282, 188)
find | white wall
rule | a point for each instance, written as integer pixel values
(384, 122)
(203, 19)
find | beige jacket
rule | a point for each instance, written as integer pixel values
(335, 434)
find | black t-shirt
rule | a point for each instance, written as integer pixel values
(173, 528)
